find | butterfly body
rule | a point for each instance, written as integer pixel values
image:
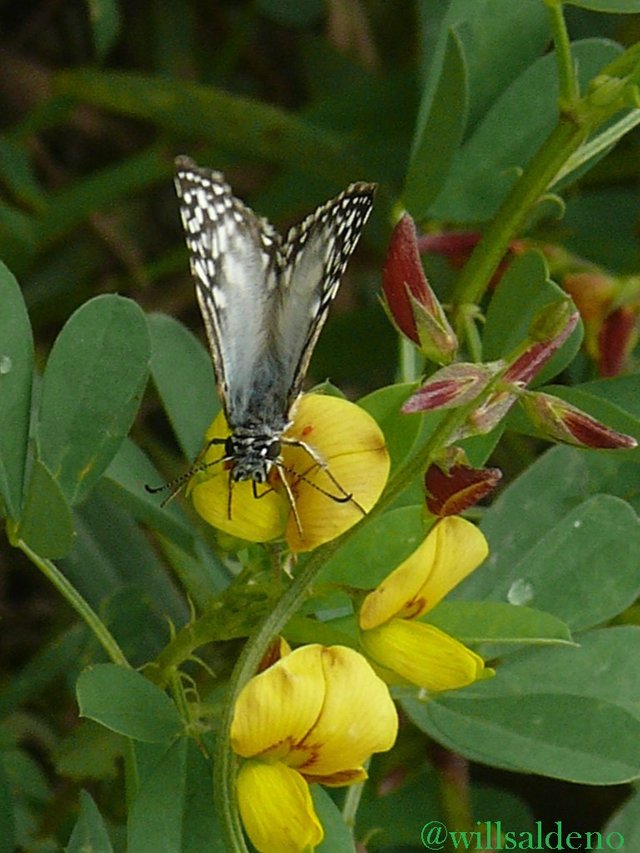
(264, 300)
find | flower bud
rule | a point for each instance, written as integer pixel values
(564, 422)
(550, 329)
(452, 488)
(451, 386)
(618, 336)
(411, 303)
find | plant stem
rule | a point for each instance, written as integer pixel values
(569, 90)
(533, 183)
(79, 604)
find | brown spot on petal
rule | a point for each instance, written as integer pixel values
(413, 608)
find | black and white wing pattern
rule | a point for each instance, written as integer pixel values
(234, 257)
(263, 300)
(313, 260)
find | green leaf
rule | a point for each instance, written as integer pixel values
(497, 622)
(625, 823)
(522, 292)
(89, 834)
(122, 561)
(439, 133)
(174, 808)
(569, 713)
(619, 7)
(91, 391)
(500, 39)
(126, 702)
(556, 559)
(16, 371)
(399, 430)
(90, 751)
(124, 481)
(510, 133)
(46, 524)
(7, 821)
(229, 121)
(336, 833)
(372, 553)
(183, 374)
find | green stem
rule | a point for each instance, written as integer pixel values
(82, 607)
(569, 89)
(352, 801)
(533, 183)
(408, 368)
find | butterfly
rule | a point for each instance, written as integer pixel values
(264, 299)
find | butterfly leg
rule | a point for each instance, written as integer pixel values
(291, 499)
(319, 461)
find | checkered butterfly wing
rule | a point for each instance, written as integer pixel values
(234, 262)
(263, 300)
(313, 259)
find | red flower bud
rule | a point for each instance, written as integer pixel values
(549, 330)
(617, 337)
(450, 490)
(450, 387)
(411, 303)
(566, 423)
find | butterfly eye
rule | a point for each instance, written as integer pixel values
(273, 451)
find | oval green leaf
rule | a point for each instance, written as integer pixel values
(126, 702)
(16, 373)
(89, 834)
(183, 374)
(91, 391)
(46, 524)
(569, 713)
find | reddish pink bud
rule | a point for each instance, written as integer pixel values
(557, 321)
(454, 489)
(450, 387)
(617, 337)
(403, 275)
(412, 304)
(566, 423)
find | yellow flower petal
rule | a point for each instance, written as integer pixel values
(351, 443)
(256, 520)
(423, 655)
(358, 718)
(276, 708)
(451, 551)
(339, 433)
(276, 808)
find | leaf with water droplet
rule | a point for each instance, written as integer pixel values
(16, 372)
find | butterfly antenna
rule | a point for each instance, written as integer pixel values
(176, 485)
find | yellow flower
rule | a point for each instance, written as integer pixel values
(314, 716)
(407, 650)
(343, 435)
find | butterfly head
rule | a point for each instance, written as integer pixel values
(251, 456)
